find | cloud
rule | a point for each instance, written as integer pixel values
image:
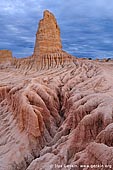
(18, 19)
(80, 22)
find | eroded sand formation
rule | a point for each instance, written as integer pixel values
(56, 117)
(48, 36)
(5, 56)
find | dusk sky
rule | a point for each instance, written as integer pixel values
(86, 26)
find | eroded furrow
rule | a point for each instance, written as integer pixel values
(56, 118)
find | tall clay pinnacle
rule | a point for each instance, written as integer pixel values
(48, 36)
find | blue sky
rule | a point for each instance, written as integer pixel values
(86, 26)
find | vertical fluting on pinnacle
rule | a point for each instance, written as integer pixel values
(48, 36)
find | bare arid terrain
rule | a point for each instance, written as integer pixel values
(56, 110)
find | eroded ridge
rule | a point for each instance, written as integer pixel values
(59, 116)
(44, 62)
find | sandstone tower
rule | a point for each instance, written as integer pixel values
(48, 36)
